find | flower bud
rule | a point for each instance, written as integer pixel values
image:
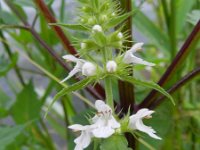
(91, 20)
(97, 28)
(83, 45)
(113, 14)
(120, 35)
(88, 69)
(111, 66)
(103, 17)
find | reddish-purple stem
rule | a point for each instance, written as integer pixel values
(173, 66)
(176, 86)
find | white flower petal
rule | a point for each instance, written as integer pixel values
(113, 123)
(74, 71)
(140, 126)
(136, 47)
(143, 113)
(102, 107)
(77, 127)
(103, 132)
(78, 147)
(70, 58)
(138, 60)
(83, 140)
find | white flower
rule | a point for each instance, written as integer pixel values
(111, 66)
(84, 139)
(87, 68)
(130, 58)
(135, 122)
(120, 35)
(97, 28)
(104, 123)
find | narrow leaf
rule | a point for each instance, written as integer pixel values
(71, 26)
(150, 85)
(117, 20)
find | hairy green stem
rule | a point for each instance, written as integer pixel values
(109, 93)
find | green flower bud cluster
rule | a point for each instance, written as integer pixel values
(98, 19)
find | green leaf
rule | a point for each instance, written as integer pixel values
(78, 85)
(150, 85)
(5, 103)
(71, 26)
(193, 17)
(116, 142)
(7, 18)
(5, 66)
(117, 20)
(27, 106)
(183, 7)
(151, 31)
(9, 134)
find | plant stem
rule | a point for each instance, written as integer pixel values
(51, 19)
(9, 52)
(172, 28)
(109, 93)
(191, 41)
